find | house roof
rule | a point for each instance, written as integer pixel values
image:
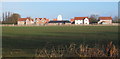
(32, 19)
(105, 18)
(47, 20)
(59, 22)
(40, 18)
(54, 19)
(24, 19)
(80, 18)
(71, 20)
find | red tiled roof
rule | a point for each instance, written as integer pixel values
(32, 19)
(80, 18)
(40, 18)
(23, 19)
(105, 18)
(47, 20)
(71, 20)
(54, 19)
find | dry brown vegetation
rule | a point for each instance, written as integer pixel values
(110, 50)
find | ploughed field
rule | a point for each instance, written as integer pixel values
(27, 39)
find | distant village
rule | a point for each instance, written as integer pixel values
(60, 21)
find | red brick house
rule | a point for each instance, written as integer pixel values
(41, 21)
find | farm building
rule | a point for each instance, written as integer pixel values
(80, 20)
(59, 21)
(41, 21)
(105, 20)
(63, 22)
(72, 21)
(59, 17)
(25, 21)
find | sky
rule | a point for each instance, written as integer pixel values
(66, 9)
(60, 0)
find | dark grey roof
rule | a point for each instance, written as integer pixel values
(59, 22)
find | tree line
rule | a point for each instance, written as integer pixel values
(10, 18)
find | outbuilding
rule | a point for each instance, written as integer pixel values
(105, 20)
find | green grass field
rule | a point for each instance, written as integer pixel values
(29, 38)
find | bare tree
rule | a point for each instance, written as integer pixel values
(116, 19)
(93, 18)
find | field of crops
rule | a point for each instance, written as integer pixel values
(27, 39)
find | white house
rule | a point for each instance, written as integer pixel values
(81, 20)
(78, 21)
(105, 20)
(21, 21)
(86, 21)
(29, 22)
(25, 21)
